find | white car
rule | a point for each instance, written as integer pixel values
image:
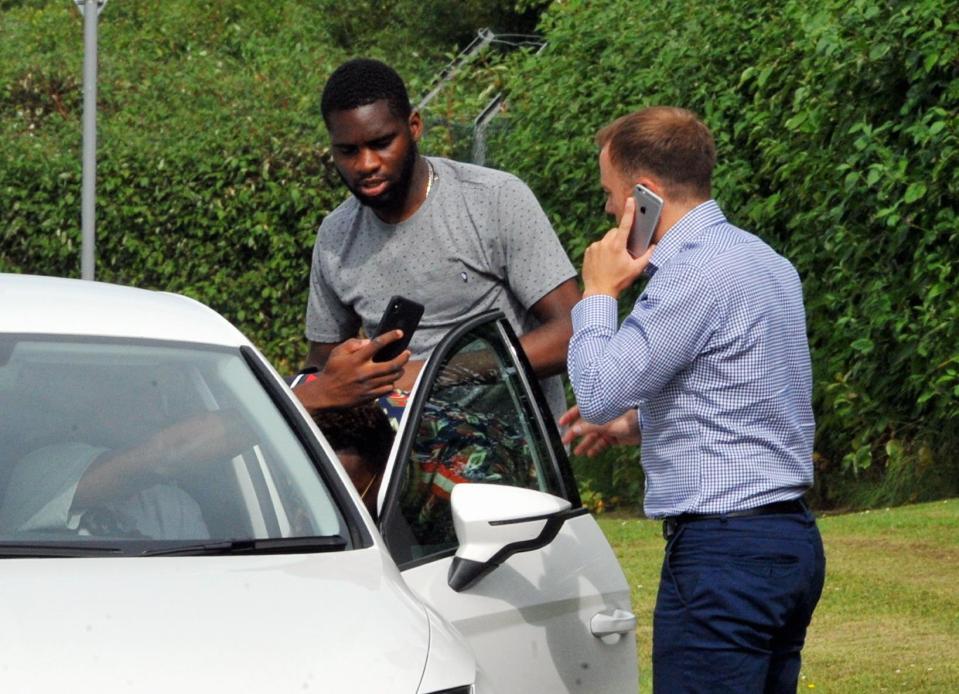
(171, 519)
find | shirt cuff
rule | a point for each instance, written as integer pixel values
(598, 310)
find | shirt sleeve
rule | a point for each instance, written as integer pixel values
(534, 259)
(327, 318)
(614, 370)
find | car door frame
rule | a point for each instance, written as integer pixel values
(605, 660)
(406, 432)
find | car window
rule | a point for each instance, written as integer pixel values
(148, 443)
(476, 422)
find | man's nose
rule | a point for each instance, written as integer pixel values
(368, 161)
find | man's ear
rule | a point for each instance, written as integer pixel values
(652, 184)
(416, 125)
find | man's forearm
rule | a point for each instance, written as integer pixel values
(546, 347)
(597, 381)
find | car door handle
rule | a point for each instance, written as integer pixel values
(619, 622)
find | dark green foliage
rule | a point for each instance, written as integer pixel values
(836, 125)
(427, 27)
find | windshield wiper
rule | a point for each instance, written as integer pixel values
(22, 549)
(279, 545)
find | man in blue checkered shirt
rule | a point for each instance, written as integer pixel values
(710, 374)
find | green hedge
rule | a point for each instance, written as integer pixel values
(836, 124)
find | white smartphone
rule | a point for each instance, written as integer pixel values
(648, 208)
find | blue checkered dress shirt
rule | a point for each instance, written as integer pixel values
(714, 355)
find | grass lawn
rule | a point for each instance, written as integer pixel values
(889, 615)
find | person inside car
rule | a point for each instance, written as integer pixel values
(361, 437)
(127, 492)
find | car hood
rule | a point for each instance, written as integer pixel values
(330, 622)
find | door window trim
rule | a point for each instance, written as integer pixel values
(547, 427)
(409, 426)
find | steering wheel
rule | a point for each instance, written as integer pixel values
(102, 521)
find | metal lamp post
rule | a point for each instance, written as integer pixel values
(89, 195)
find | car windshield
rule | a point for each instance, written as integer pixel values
(137, 447)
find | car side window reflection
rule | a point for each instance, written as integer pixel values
(478, 424)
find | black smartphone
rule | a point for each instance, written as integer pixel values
(645, 217)
(400, 313)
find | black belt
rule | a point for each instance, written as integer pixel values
(776, 508)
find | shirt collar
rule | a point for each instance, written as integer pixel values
(690, 225)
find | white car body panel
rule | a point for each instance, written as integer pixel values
(341, 621)
(57, 306)
(528, 620)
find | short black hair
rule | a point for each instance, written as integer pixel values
(364, 428)
(363, 81)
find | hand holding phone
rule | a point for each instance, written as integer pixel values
(645, 218)
(403, 314)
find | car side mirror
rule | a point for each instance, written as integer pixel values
(493, 522)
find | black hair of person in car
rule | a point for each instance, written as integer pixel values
(362, 438)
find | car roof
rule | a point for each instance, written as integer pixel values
(59, 306)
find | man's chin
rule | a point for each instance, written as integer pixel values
(379, 202)
(388, 200)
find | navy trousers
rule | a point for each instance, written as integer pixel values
(735, 598)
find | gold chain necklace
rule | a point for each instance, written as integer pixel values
(368, 485)
(429, 181)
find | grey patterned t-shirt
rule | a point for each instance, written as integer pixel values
(479, 241)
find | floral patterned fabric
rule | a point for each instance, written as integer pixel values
(454, 446)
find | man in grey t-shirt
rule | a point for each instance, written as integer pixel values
(458, 238)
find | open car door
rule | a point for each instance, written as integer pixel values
(481, 513)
